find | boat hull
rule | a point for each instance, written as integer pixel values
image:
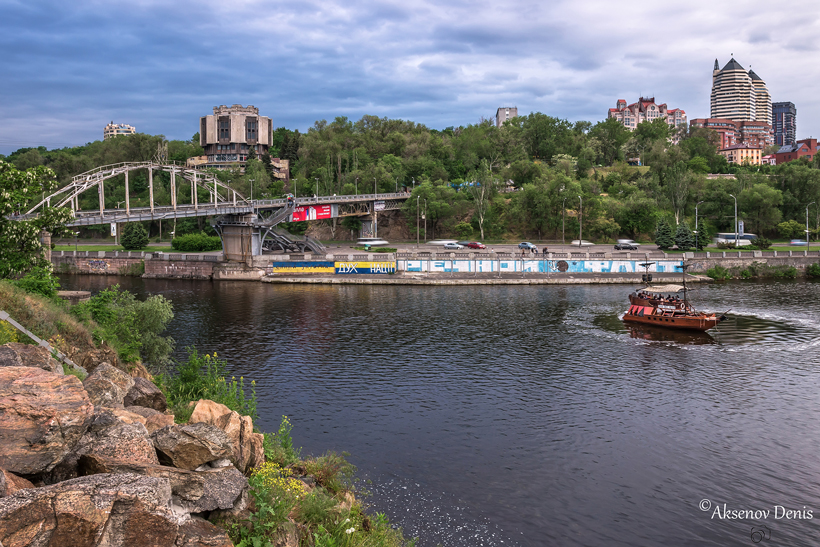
(684, 323)
(677, 315)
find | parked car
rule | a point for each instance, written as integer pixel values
(476, 245)
(625, 247)
(453, 246)
(582, 243)
(527, 245)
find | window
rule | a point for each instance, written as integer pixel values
(224, 129)
(251, 129)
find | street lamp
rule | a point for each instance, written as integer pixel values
(580, 221)
(563, 215)
(808, 234)
(425, 221)
(696, 225)
(397, 185)
(414, 183)
(357, 186)
(251, 181)
(317, 186)
(417, 220)
(375, 187)
(76, 235)
(736, 236)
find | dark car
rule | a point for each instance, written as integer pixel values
(476, 245)
(625, 247)
(527, 245)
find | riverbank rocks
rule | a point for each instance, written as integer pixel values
(248, 450)
(11, 483)
(124, 510)
(42, 417)
(15, 354)
(144, 393)
(194, 491)
(189, 446)
(108, 386)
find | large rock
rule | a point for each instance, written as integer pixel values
(158, 421)
(144, 393)
(195, 491)
(25, 355)
(11, 483)
(42, 417)
(102, 510)
(248, 451)
(190, 446)
(110, 437)
(108, 386)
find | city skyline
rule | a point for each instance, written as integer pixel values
(71, 69)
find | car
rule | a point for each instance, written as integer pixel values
(441, 241)
(527, 245)
(476, 245)
(464, 243)
(625, 247)
(453, 246)
(582, 243)
(797, 242)
(630, 241)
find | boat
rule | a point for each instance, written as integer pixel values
(648, 306)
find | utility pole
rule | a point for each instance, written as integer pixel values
(581, 221)
(563, 217)
(808, 233)
(696, 225)
(736, 242)
(425, 221)
(417, 221)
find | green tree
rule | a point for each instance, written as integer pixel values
(20, 248)
(684, 238)
(663, 235)
(791, 229)
(760, 204)
(134, 236)
(612, 135)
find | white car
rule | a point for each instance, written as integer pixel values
(453, 246)
(582, 243)
(629, 241)
(441, 241)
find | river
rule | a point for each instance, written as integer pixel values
(529, 415)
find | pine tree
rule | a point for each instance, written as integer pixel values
(134, 236)
(703, 237)
(663, 235)
(684, 238)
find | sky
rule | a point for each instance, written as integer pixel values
(69, 68)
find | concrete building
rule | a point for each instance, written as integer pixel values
(784, 123)
(738, 95)
(505, 113)
(806, 148)
(749, 133)
(113, 129)
(231, 131)
(645, 110)
(740, 153)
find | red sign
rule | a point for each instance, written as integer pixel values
(311, 212)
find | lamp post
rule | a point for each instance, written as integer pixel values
(397, 185)
(375, 188)
(76, 235)
(733, 197)
(414, 183)
(251, 181)
(808, 234)
(317, 185)
(696, 225)
(580, 221)
(357, 186)
(425, 221)
(417, 221)
(563, 216)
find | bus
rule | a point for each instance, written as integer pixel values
(738, 239)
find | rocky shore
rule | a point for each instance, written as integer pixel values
(101, 462)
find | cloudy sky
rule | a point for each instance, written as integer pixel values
(69, 68)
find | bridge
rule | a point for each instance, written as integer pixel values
(251, 221)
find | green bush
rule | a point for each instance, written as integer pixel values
(134, 236)
(203, 377)
(279, 446)
(813, 271)
(761, 243)
(195, 243)
(39, 280)
(719, 273)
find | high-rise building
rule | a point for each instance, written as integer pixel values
(738, 95)
(505, 113)
(229, 134)
(113, 129)
(784, 123)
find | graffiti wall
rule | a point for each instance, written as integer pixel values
(538, 266)
(300, 267)
(365, 267)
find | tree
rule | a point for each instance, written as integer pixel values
(482, 191)
(791, 229)
(134, 236)
(702, 237)
(684, 238)
(663, 235)
(760, 204)
(20, 247)
(612, 135)
(677, 180)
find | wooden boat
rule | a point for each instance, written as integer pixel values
(649, 306)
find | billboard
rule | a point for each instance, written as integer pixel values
(365, 267)
(311, 212)
(299, 267)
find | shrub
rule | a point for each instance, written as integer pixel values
(203, 377)
(331, 471)
(195, 243)
(719, 273)
(813, 271)
(134, 236)
(761, 243)
(279, 446)
(39, 280)
(684, 238)
(663, 235)
(7, 333)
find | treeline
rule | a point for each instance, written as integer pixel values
(536, 176)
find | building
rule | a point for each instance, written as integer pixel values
(738, 95)
(505, 113)
(645, 110)
(231, 132)
(806, 148)
(771, 159)
(784, 123)
(740, 153)
(113, 129)
(749, 133)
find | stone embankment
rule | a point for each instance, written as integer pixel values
(101, 462)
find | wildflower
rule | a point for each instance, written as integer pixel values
(350, 530)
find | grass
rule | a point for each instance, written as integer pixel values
(110, 248)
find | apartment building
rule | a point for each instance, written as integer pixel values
(784, 123)
(113, 129)
(228, 135)
(645, 110)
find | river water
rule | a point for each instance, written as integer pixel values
(529, 415)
